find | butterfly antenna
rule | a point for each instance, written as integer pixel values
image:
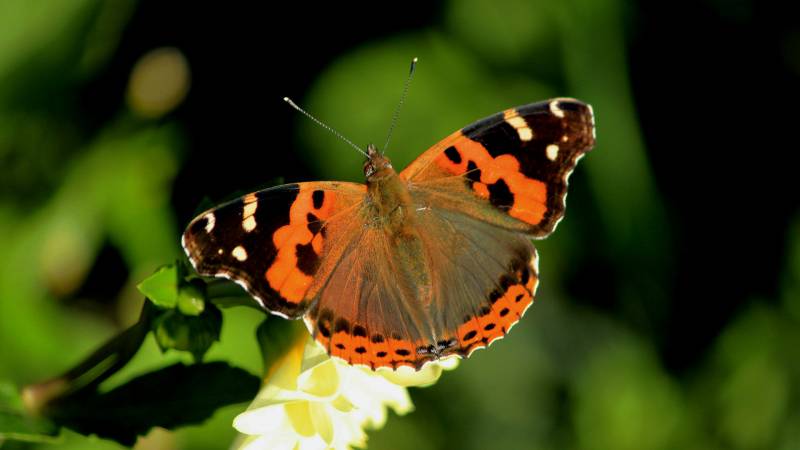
(399, 105)
(318, 122)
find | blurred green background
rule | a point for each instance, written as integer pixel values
(669, 309)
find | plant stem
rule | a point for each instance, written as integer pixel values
(92, 371)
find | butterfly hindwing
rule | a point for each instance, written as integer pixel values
(514, 165)
(273, 242)
(485, 278)
(368, 311)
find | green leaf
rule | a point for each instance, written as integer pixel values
(174, 396)
(161, 287)
(194, 334)
(16, 424)
(192, 297)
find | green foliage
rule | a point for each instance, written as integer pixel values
(192, 298)
(166, 397)
(17, 424)
(194, 334)
(624, 400)
(161, 288)
(184, 321)
(174, 396)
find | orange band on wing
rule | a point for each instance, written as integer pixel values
(530, 196)
(376, 351)
(495, 321)
(285, 275)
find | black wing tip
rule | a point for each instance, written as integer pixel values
(558, 106)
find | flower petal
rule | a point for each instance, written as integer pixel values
(266, 420)
(322, 421)
(428, 375)
(300, 418)
(322, 381)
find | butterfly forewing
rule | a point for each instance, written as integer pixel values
(275, 242)
(514, 165)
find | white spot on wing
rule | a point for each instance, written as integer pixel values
(552, 152)
(210, 222)
(519, 124)
(249, 224)
(239, 253)
(248, 218)
(556, 110)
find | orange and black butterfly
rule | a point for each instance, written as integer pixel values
(411, 267)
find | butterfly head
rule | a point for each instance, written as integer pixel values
(377, 166)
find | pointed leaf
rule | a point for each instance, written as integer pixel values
(161, 287)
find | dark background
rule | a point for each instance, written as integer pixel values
(669, 310)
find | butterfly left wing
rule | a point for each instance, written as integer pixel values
(278, 243)
(509, 169)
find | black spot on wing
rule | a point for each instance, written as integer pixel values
(525, 276)
(314, 224)
(500, 195)
(342, 325)
(325, 322)
(318, 198)
(453, 155)
(358, 330)
(473, 174)
(307, 259)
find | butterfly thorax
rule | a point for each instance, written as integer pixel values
(391, 205)
(391, 208)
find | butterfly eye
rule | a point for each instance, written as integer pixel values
(369, 168)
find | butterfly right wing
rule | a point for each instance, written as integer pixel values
(484, 279)
(510, 169)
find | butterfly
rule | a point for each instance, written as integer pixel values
(411, 267)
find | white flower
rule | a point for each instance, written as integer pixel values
(311, 401)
